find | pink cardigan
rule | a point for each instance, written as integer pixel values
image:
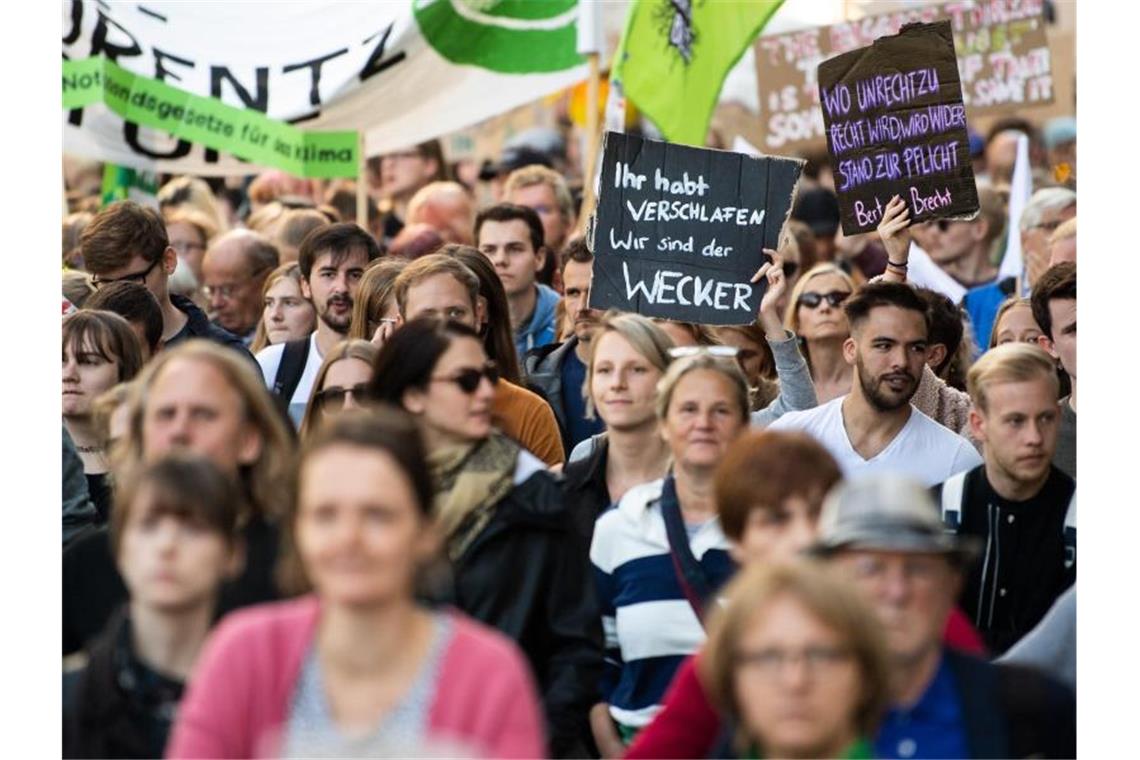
(238, 699)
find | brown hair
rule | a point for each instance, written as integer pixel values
(120, 232)
(386, 429)
(296, 224)
(763, 469)
(374, 293)
(266, 480)
(826, 597)
(357, 348)
(429, 266)
(498, 338)
(286, 271)
(1005, 306)
(1059, 282)
(109, 335)
(186, 486)
(134, 303)
(205, 227)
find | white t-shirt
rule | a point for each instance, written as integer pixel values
(923, 449)
(270, 359)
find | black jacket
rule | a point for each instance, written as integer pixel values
(584, 488)
(93, 590)
(542, 368)
(198, 325)
(115, 706)
(528, 574)
(1013, 711)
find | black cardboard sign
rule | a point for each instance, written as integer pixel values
(895, 124)
(679, 230)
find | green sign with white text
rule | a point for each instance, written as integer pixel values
(246, 133)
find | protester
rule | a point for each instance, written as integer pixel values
(207, 400)
(702, 406)
(332, 261)
(447, 208)
(875, 428)
(545, 191)
(520, 413)
(340, 383)
(400, 175)
(803, 617)
(511, 237)
(517, 561)
(128, 242)
(559, 369)
(1046, 211)
(1014, 323)
(628, 356)
(99, 350)
(233, 272)
(73, 226)
(814, 314)
(965, 249)
(1020, 506)
(286, 313)
(754, 356)
(175, 540)
(1063, 243)
(134, 303)
(357, 667)
(295, 225)
(1054, 302)
(884, 533)
(190, 232)
(375, 313)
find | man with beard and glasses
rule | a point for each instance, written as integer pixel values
(875, 428)
(332, 260)
(559, 369)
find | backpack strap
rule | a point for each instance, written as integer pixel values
(690, 574)
(292, 366)
(1071, 532)
(952, 491)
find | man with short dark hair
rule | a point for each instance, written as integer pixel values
(233, 273)
(875, 428)
(511, 237)
(1021, 507)
(128, 242)
(332, 260)
(559, 369)
(134, 303)
(883, 533)
(1054, 303)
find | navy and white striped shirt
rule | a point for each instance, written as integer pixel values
(650, 628)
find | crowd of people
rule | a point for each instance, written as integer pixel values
(391, 487)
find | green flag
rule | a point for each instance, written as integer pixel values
(674, 56)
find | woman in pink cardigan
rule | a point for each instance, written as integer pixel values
(358, 668)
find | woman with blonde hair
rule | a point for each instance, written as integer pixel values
(288, 315)
(815, 314)
(340, 383)
(797, 663)
(375, 312)
(1014, 323)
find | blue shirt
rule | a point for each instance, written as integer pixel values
(574, 404)
(982, 303)
(932, 728)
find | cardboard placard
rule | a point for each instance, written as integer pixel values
(1004, 63)
(679, 230)
(896, 124)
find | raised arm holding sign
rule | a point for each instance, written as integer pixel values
(679, 230)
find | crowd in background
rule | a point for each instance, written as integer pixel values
(347, 487)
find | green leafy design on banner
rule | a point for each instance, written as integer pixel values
(247, 134)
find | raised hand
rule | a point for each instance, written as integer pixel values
(769, 316)
(894, 231)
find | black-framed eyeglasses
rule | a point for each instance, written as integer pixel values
(139, 277)
(336, 395)
(468, 379)
(811, 299)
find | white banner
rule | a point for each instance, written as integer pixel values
(401, 73)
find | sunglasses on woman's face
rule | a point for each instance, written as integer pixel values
(468, 379)
(335, 396)
(811, 299)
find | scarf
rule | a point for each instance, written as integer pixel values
(469, 481)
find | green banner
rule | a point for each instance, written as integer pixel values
(245, 133)
(122, 183)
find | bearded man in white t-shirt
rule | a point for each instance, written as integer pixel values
(875, 428)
